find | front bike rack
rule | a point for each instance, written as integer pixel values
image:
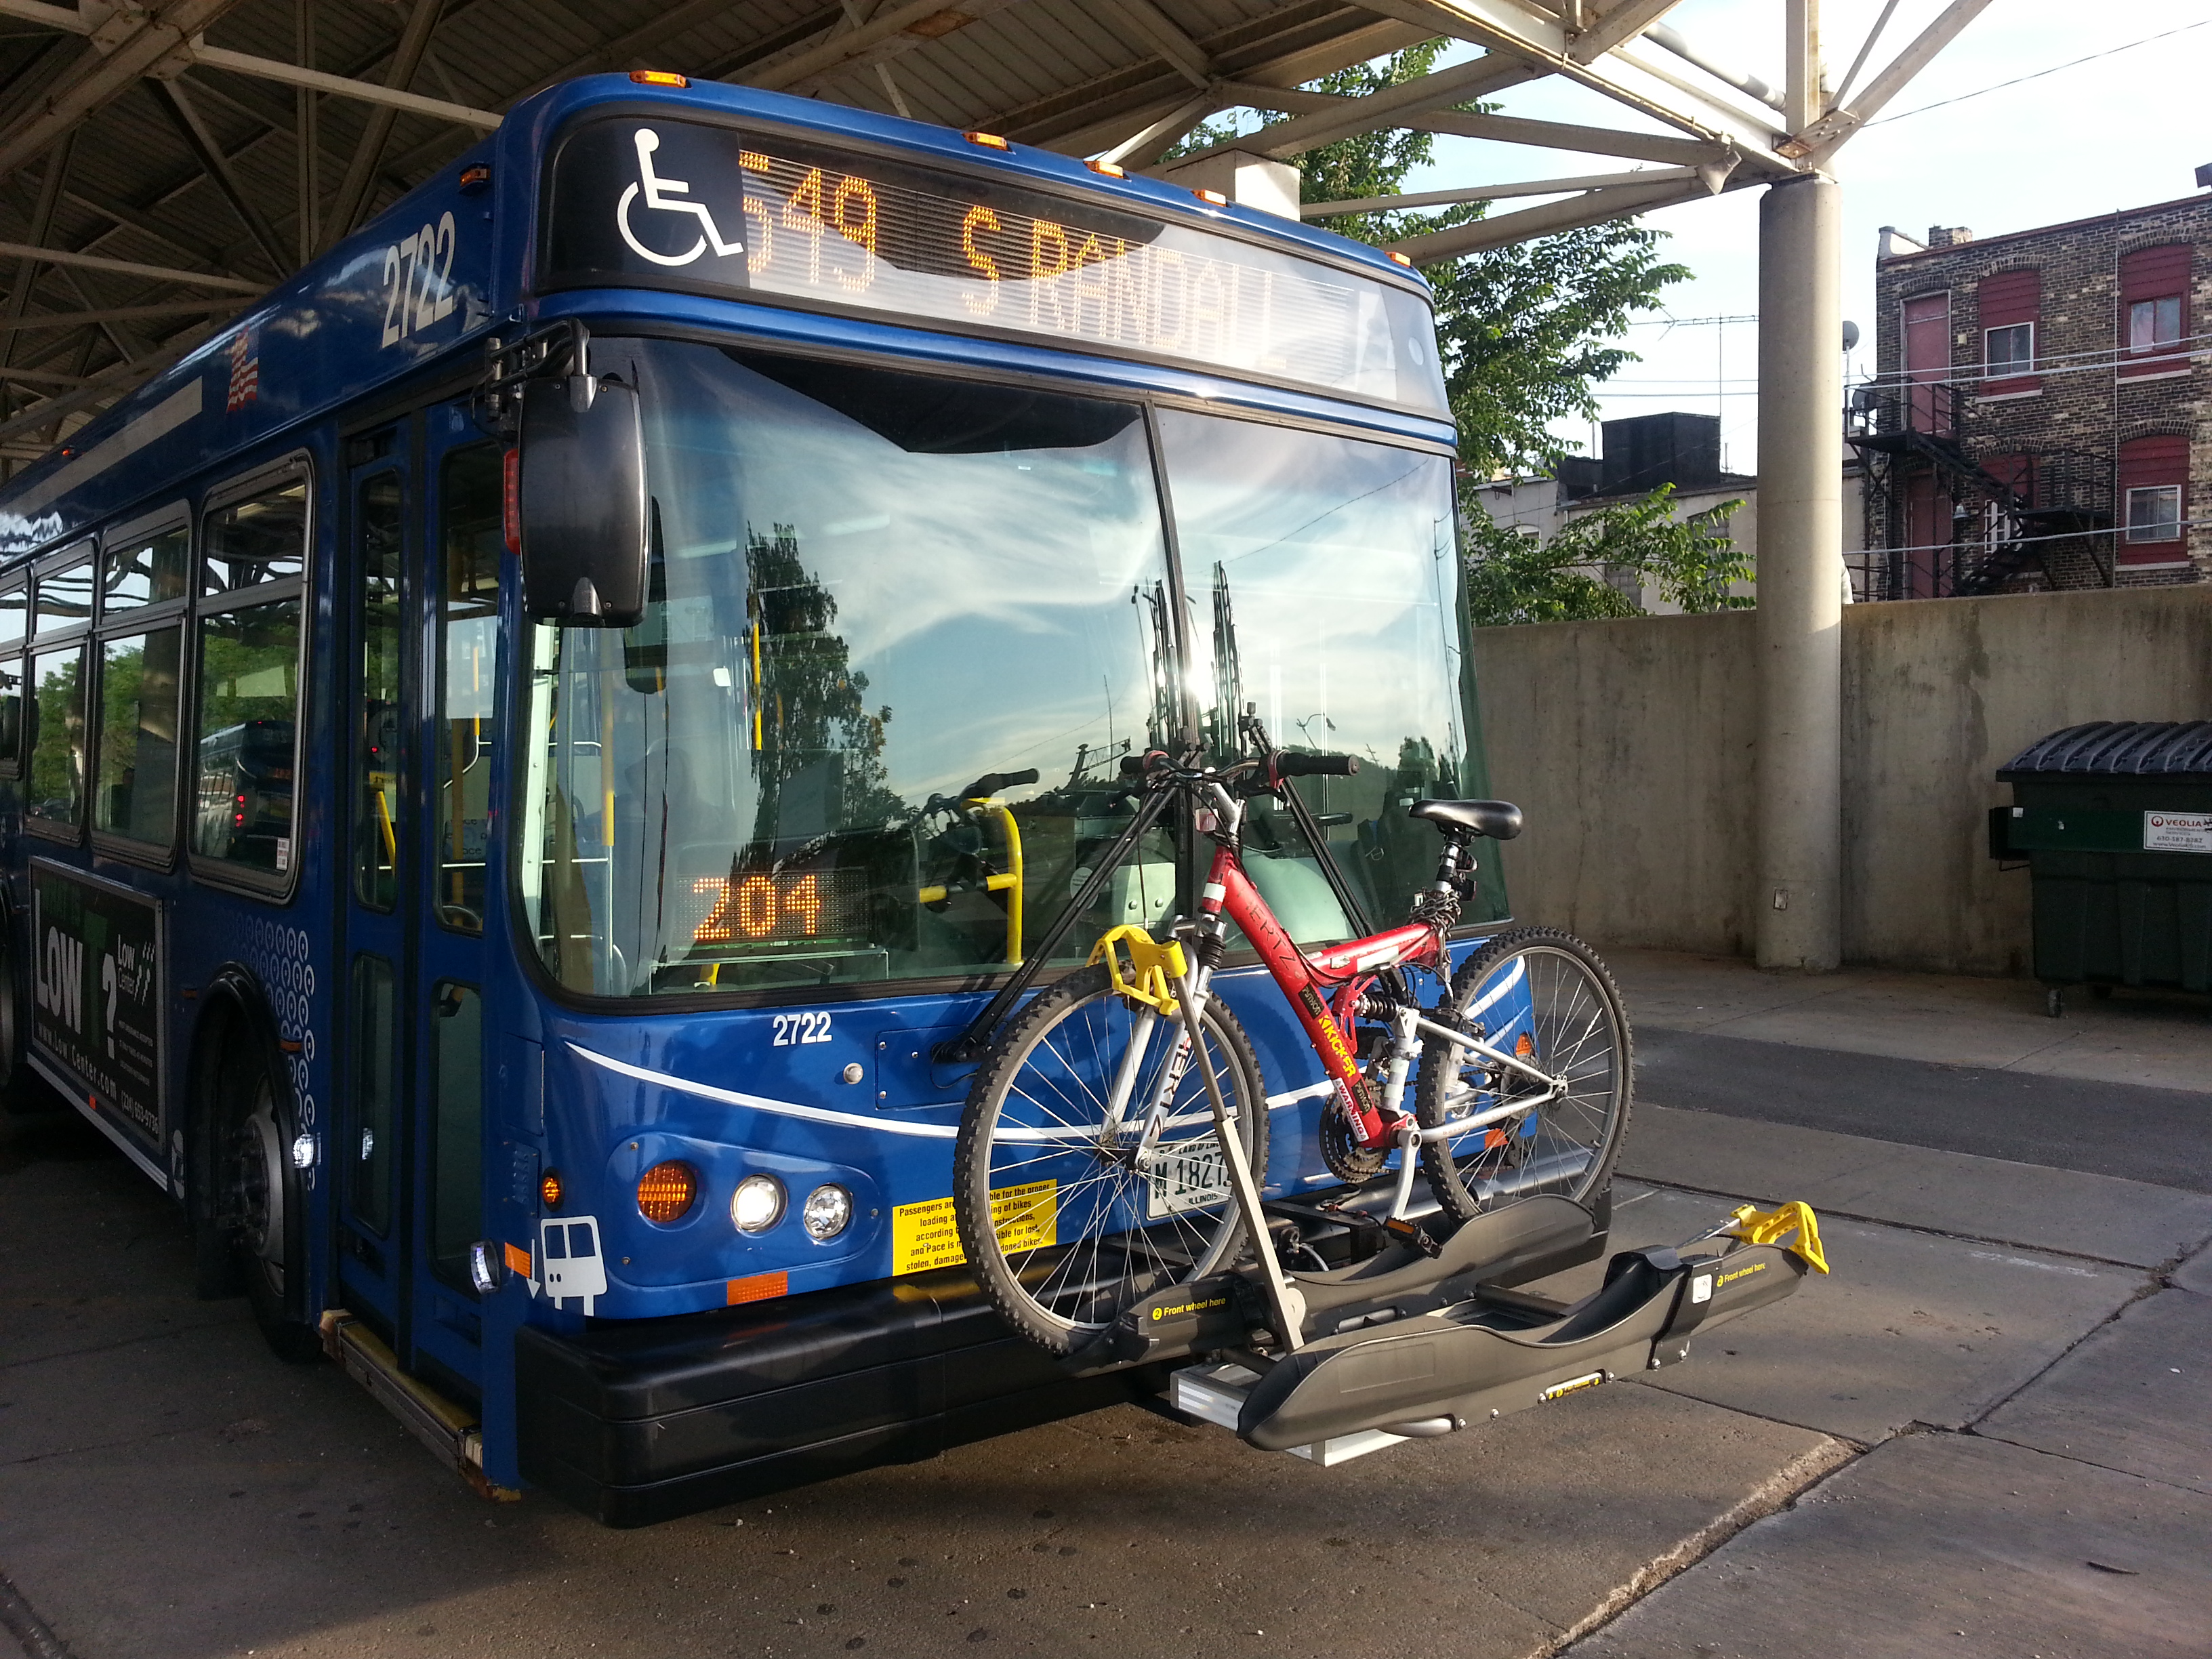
(1404, 1345)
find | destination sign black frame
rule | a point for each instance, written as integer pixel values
(641, 200)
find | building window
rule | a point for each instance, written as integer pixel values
(2010, 351)
(2154, 309)
(2154, 513)
(2152, 324)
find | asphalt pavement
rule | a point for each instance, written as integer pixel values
(1982, 1434)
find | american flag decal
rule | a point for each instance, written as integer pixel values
(244, 371)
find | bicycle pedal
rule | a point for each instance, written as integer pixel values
(1414, 1233)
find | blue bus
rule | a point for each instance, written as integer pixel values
(531, 759)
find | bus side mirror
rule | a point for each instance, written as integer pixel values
(581, 503)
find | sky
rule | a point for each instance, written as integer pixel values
(2117, 131)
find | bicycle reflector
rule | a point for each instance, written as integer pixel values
(666, 1192)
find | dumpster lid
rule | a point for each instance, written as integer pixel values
(2173, 750)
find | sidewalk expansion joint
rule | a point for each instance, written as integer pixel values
(1779, 1490)
(2084, 1462)
(17, 1618)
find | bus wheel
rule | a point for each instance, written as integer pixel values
(263, 1199)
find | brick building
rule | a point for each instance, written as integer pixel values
(2038, 414)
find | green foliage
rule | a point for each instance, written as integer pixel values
(1514, 577)
(1521, 328)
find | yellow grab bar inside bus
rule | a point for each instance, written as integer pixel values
(1008, 882)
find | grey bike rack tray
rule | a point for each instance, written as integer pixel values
(1481, 1358)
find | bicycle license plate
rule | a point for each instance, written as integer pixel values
(1191, 1177)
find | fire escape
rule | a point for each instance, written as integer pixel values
(1941, 523)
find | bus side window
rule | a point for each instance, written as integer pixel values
(247, 695)
(14, 620)
(470, 543)
(144, 572)
(53, 798)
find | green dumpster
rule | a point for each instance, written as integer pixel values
(2114, 819)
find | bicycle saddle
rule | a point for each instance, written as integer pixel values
(1500, 820)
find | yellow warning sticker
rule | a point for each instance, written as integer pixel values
(926, 1235)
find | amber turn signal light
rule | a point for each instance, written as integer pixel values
(659, 78)
(1397, 259)
(666, 1192)
(1213, 195)
(1111, 169)
(550, 1190)
(989, 140)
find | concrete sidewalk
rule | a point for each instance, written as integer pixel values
(1989, 1419)
(2031, 1504)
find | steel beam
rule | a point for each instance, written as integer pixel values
(1591, 208)
(1179, 120)
(1622, 23)
(116, 314)
(1285, 140)
(1561, 134)
(896, 29)
(1425, 198)
(1823, 136)
(160, 34)
(173, 99)
(340, 86)
(55, 256)
(406, 58)
(1182, 53)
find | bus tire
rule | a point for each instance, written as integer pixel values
(256, 1224)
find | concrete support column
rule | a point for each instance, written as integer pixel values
(1799, 902)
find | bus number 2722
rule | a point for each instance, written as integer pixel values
(787, 1030)
(418, 281)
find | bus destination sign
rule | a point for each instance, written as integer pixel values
(96, 993)
(680, 204)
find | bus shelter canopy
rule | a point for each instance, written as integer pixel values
(160, 161)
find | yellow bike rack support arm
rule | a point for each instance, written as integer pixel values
(1153, 967)
(1756, 1226)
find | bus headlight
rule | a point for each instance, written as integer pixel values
(827, 1212)
(757, 1205)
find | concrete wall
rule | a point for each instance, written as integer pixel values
(1631, 746)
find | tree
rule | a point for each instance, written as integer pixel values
(1513, 577)
(1521, 329)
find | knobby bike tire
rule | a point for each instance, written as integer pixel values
(1040, 1086)
(1548, 990)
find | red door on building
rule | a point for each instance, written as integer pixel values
(1927, 361)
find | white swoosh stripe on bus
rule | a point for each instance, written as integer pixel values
(855, 1120)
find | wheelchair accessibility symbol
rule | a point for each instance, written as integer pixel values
(660, 197)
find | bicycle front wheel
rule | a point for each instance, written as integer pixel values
(1064, 1218)
(1543, 997)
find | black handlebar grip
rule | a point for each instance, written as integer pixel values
(1316, 766)
(991, 782)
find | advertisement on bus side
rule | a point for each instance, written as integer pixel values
(96, 993)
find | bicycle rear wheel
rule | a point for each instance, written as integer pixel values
(1062, 1228)
(1544, 997)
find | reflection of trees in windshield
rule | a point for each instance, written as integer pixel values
(816, 748)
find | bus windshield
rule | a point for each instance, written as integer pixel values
(903, 630)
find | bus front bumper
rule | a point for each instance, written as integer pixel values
(636, 1422)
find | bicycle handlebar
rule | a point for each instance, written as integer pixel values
(1289, 765)
(991, 782)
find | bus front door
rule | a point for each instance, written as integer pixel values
(422, 580)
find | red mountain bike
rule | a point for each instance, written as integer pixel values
(1105, 1156)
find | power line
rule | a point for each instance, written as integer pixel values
(2021, 80)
